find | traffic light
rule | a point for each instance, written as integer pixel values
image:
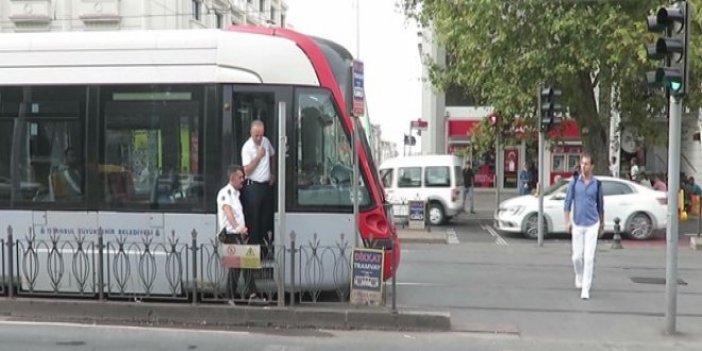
(674, 22)
(550, 107)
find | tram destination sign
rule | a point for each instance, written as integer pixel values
(367, 277)
(358, 93)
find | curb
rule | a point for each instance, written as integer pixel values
(222, 316)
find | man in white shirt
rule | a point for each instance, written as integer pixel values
(257, 157)
(232, 228)
(634, 171)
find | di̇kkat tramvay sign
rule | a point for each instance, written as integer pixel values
(367, 276)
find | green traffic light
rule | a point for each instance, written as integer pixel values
(675, 86)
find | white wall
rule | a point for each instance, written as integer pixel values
(82, 15)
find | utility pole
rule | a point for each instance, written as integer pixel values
(540, 171)
(674, 22)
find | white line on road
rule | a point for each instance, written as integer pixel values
(126, 327)
(451, 237)
(498, 238)
(418, 284)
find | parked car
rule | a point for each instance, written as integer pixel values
(641, 210)
(435, 179)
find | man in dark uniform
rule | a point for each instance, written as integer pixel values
(468, 182)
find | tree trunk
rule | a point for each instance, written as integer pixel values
(593, 130)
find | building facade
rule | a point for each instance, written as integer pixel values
(86, 15)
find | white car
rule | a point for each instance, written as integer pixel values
(641, 210)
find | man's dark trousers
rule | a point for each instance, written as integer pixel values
(258, 210)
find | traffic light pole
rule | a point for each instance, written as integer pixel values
(671, 269)
(540, 186)
(497, 166)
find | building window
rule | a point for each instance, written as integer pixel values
(218, 19)
(261, 6)
(272, 14)
(282, 20)
(196, 9)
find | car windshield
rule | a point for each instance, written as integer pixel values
(555, 186)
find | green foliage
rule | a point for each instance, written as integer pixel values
(501, 50)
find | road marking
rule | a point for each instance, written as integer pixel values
(451, 237)
(498, 238)
(273, 347)
(126, 327)
(418, 284)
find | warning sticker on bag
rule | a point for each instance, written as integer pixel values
(240, 256)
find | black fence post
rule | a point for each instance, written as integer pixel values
(101, 265)
(194, 254)
(10, 262)
(292, 267)
(394, 280)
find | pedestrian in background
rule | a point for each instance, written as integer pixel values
(658, 183)
(584, 198)
(468, 183)
(634, 170)
(524, 180)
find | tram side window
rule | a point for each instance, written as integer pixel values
(152, 148)
(5, 144)
(48, 125)
(324, 154)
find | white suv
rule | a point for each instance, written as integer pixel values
(436, 179)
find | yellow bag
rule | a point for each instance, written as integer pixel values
(240, 256)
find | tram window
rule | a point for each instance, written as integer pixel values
(5, 144)
(152, 148)
(324, 155)
(51, 158)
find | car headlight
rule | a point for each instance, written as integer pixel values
(512, 211)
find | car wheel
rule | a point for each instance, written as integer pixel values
(640, 226)
(531, 225)
(436, 214)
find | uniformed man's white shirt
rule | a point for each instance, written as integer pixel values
(228, 195)
(634, 171)
(262, 173)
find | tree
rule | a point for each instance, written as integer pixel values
(501, 50)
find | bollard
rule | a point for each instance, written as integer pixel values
(10, 262)
(617, 239)
(427, 221)
(292, 268)
(194, 255)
